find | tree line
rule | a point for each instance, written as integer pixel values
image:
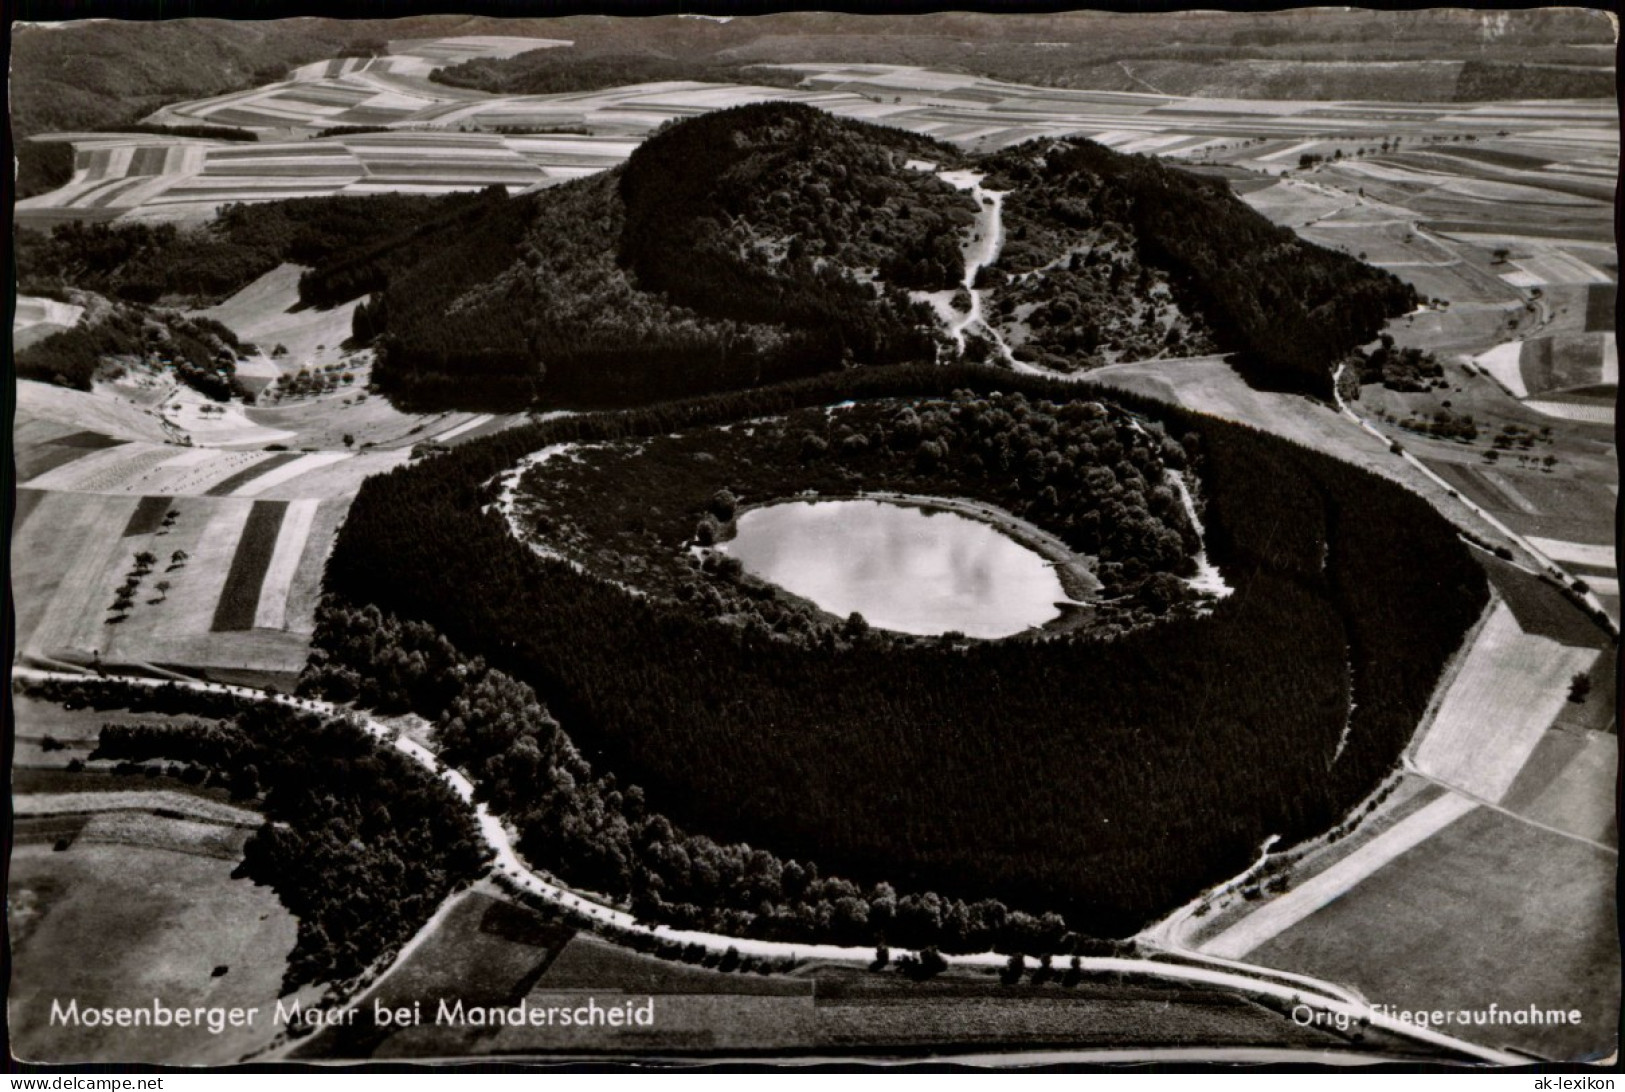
(145, 263)
(201, 352)
(1083, 471)
(359, 842)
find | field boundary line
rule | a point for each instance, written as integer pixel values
(1491, 805)
(303, 464)
(1282, 913)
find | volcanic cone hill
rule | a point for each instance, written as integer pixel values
(774, 241)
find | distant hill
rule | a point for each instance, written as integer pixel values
(94, 74)
(773, 241)
(1295, 54)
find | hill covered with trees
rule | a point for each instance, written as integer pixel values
(1140, 255)
(734, 249)
(773, 241)
(1103, 779)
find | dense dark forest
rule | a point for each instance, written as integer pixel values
(1104, 779)
(202, 132)
(723, 255)
(1288, 308)
(359, 842)
(338, 236)
(200, 351)
(601, 833)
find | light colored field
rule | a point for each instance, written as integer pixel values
(1509, 690)
(1553, 266)
(195, 471)
(85, 803)
(324, 420)
(1287, 910)
(43, 548)
(338, 478)
(198, 583)
(1581, 798)
(272, 611)
(429, 155)
(117, 925)
(91, 567)
(289, 471)
(37, 318)
(1489, 910)
(263, 313)
(304, 594)
(1580, 553)
(1503, 363)
(213, 424)
(1591, 414)
(1295, 203)
(99, 411)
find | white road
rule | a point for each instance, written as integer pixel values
(1523, 543)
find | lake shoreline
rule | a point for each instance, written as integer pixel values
(1072, 570)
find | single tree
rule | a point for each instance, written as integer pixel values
(1580, 687)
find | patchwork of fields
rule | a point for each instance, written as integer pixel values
(1492, 870)
(441, 139)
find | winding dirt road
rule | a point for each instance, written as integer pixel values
(1306, 994)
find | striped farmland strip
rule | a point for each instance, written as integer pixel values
(240, 598)
(43, 458)
(149, 160)
(148, 516)
(272, 610)
(225, 487)
(304, 464)
(92, 440)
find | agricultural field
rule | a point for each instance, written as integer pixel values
(226, 588)
(1488, 910)
(1512, 782)
(1507, 692)
(237, 534)
(36, 319)
(163, 534)
(138, 906)
(439, 138)
(486, 950)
